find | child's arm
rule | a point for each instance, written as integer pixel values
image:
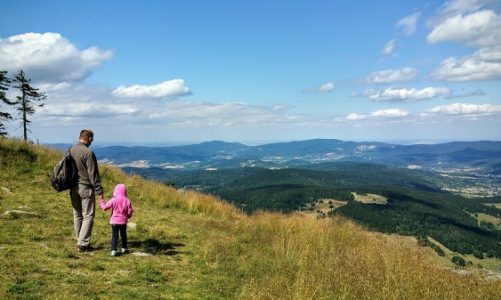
(129, 210)
(106, 205)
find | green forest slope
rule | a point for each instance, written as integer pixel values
(187, 245)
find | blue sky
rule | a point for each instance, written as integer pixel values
(258, 71)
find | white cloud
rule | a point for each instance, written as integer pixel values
(393, 75)
(324, 88)
(478, 29)
(166, 89)
(484, 64)
(407, 95)
(392, 114)
(389, 47)
(408, 24)
(226, 114)
(455, 7)
(356, 117)
(87, 109)
(464, 109)
(49, 57)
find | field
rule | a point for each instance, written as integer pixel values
(370, 198)
(186, 245)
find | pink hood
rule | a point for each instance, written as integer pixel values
(121, 205)
(120, 191)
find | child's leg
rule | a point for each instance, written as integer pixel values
(123, 235)
(114, 236)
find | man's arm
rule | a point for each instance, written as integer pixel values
(94, 177)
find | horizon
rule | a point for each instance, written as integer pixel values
(261, 71)
(257, 143)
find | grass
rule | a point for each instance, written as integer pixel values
(370, 199)
(488, 218)
(201, 248)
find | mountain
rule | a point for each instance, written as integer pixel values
(482, 158)
(187, 245)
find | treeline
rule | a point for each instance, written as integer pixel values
(25, 104)
(443, 217)
(415, 206)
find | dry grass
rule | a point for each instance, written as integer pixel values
(370, 198)
(217, 252)
(488, 218)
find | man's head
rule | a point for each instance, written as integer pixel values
(86, 136)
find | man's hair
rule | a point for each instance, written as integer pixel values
(86, 134)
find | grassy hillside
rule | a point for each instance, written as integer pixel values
(197, 247)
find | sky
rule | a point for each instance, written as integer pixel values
(160, 72)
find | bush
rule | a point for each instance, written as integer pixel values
(459, 261)
(478, 254)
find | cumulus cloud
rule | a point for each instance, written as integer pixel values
(408, 24)
(407, 95)
(87, 109)
(356, 117)
(166, 89)
(484, 64)
(389, 47)
(464, 109)
(49, 57)
(393, 75)
(226, 114)
(391, 114)
(479, 29)
(324, 88)
(458, 7)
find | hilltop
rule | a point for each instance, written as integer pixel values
(187, 245)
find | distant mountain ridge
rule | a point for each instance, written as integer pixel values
(483, 156)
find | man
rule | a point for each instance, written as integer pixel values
(83, 195)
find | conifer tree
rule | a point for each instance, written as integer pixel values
(27, 101)
(4, 86)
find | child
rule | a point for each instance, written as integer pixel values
(121, 213)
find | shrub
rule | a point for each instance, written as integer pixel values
(459, 261)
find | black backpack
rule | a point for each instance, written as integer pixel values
(65, 175)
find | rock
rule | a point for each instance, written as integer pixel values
(131, 225)
(6, 190)
(20, 212)
(141, 254)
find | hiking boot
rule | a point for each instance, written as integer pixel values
(82, 248)
(125, 250)
(113, 253)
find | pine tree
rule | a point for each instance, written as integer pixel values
(27, 101)
(4, 86)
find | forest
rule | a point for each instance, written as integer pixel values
(416, 204)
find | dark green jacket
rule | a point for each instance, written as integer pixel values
(88, 171)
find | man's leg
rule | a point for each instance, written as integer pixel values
(88, 213)
(76, 202)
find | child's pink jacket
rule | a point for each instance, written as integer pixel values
(121, 205)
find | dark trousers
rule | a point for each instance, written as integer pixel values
(115, 228)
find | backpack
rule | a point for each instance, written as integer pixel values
(65, 174)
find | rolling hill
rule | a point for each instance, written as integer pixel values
(474, 157)
(187, 245)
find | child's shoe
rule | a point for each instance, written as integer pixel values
(113, 253)
(125, 250)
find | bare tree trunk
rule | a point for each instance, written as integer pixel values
(25, 123)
